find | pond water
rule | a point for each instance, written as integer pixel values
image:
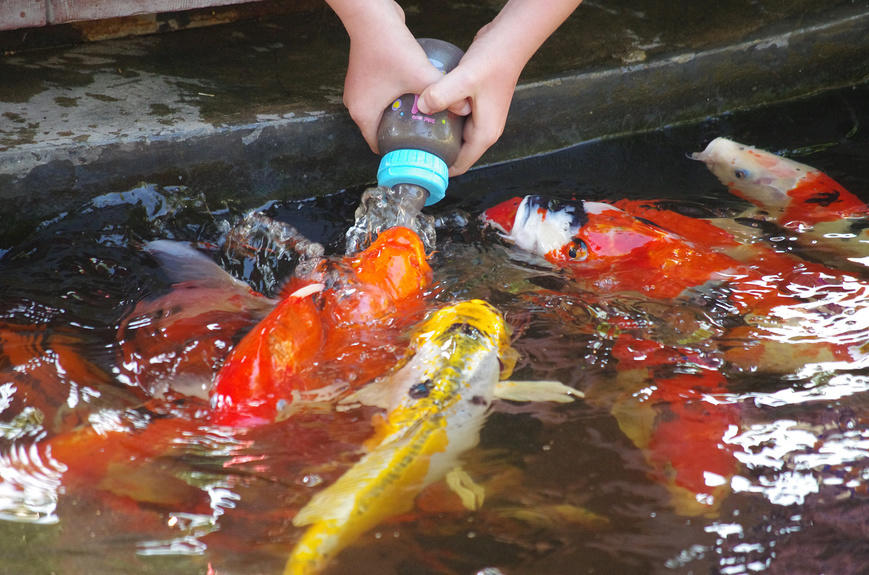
(571, 488)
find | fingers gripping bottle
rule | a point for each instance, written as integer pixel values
(418, 148)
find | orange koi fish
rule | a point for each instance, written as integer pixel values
(796, 196)
(337, 328)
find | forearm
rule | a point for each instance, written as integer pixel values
(364, 18)
(518, 31)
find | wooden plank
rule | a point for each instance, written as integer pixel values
(63, 11)
(16, 14)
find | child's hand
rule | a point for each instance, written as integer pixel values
(484, 80)
(386, 62)
(481, 85)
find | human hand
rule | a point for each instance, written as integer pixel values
(483, 82)
(386, 62)
(480, 87)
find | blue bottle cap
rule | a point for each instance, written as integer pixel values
(409, 166)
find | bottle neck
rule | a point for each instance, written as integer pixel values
(415, 196)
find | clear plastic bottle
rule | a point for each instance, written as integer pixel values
(418, 148)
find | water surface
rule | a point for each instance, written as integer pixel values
(568, 489)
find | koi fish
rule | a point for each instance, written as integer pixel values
(334, 329)
(611, 250)
(608, 250)
(179, 340)
(679, 420)
(436, 404)
(796, 196)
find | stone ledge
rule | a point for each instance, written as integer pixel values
(130, 123)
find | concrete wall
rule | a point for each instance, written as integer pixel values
(15, 14)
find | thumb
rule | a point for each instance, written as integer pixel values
(448, 92)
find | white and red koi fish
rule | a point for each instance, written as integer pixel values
(613, 251)
(610, 251)
(796, 196)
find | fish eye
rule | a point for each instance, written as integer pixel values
(554, 205)
(740, 174)
(420, 390)
(578, 250)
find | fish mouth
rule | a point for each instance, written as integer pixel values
(502, 216)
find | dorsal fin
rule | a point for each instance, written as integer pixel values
(183, 263)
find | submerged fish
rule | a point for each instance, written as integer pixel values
(796, 196)
(42, 369)
(436, 404)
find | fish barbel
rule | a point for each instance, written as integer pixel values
(797, 196)
(436, 404)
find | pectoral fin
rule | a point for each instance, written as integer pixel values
(472, 494)
(376, 394)
(536, 391)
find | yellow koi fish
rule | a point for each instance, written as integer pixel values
(436, 404)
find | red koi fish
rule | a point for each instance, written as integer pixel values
(338, 328)
(682, 396)
(613, 251)
(796, 196)
(608, 250)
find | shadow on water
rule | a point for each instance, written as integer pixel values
(798, 503)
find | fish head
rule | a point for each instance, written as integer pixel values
(485, 321)
(756, 175)
(395, 263)
(573, 233)
(459, 353)
(545, 227)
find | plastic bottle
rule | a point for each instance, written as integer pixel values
(418, 148)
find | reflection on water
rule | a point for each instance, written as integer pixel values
(97, 476)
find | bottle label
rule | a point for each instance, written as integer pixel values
(417, 115)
